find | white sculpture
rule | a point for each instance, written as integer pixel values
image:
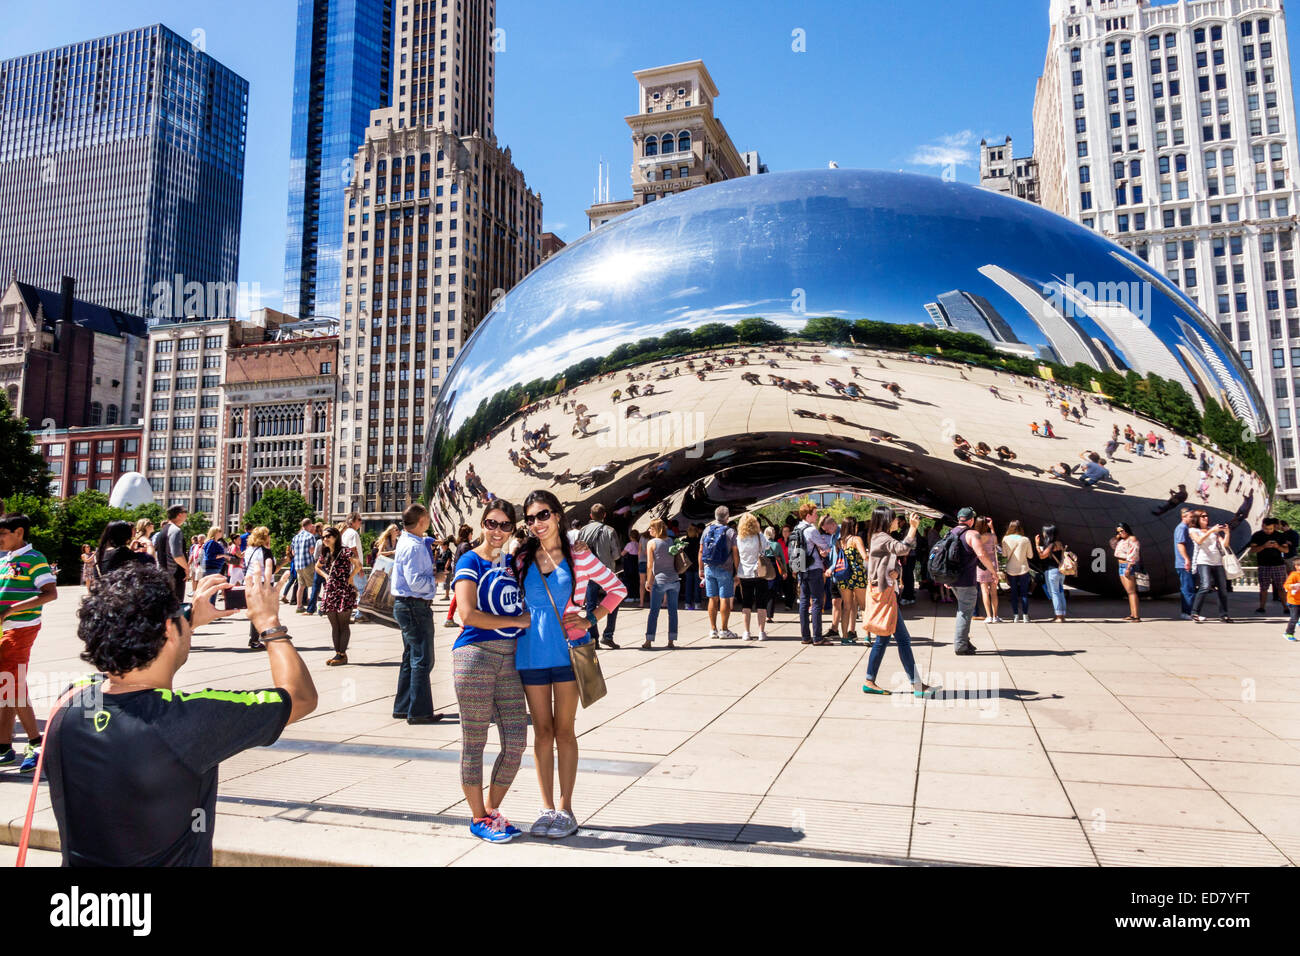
(131, 491)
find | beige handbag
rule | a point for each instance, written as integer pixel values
(586, 666)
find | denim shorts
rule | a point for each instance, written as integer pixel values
(541, 676)
(719, 582)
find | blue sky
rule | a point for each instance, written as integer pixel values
(885, 85)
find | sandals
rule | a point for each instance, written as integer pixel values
(1132, 618)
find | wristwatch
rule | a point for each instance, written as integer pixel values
(280, 633)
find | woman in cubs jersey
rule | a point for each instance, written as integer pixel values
(483, 656)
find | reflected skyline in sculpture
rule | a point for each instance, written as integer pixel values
(858, 264)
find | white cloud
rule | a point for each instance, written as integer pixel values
(951, 150)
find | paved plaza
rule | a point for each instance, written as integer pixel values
(1084, 744)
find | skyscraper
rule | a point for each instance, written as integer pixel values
(121, 163)
(439, 224)
(967, 312)
(1172, 129)
(342, 59)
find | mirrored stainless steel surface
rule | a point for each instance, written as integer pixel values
(799, 332)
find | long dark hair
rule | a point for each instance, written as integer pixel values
(329, 533)
(1048, 536)
(527, 553)
(116, 535)
(882, 520)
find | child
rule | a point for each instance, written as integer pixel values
(1292, 588)
(26, 583)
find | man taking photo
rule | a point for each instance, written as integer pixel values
(132, 763)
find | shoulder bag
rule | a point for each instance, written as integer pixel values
(1231, 566)
(881, 618)
(586, 666)
(1068, 563)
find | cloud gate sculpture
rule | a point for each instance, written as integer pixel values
(886, 334)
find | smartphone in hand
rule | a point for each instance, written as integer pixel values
(236, 599)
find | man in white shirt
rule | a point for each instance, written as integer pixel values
(352, 539)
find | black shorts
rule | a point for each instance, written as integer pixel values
(752, 594)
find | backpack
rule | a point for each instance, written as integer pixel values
(713, 546)
(945, 561)
(798, 548)
(837, 561)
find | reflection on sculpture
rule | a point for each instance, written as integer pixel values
(930, 343)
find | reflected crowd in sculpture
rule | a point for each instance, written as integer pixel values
(876, 333)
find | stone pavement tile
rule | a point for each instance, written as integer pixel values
(860, 706)
(1020, 762)
(344, 723)
(9, 857)
(726, 679)
(777, 707)
(1151, 685)
(1257, 709)
(632, 740)
(1083, 718)
(1201, 707)
(436, 737)
(1035, 796)
(1276, 816)
(407, 735)
(1157, 806)
(674, 711)
(999, 736)
(1000, 839)
(414, 787)
(1119, 769)
(1140, 744)
(1288, 730)
(1182, 724)
(1256, 749)
(724, 763)
(245, 841)
(691, 814)
(874, 829)
(416, 822)
(1127, 844)
(1263, 688)
(307, 777)
(251, 761)
(768, 725)
(1230, 774)
(997, 712)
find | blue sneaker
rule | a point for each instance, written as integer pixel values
(8, 757)
(30, 756)
(499, 819)
(1289, 637)
(487, 829)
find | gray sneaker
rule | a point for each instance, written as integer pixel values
(562, 825)
(543, 824)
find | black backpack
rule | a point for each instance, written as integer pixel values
(946, 558)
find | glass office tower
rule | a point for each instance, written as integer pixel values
(341, 72)
(121, 164)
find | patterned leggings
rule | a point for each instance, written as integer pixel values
(487, 689)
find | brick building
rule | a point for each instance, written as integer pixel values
(88, 459)
(278, 416)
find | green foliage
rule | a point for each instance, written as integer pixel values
(153, 511)
(196, 524)
(282, 511)
(827, 328)
(43, 536)
(24, 471)
(754, 330)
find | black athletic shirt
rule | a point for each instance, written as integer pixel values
(133, 776)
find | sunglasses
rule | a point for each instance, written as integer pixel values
(507, 526)
(539, 517)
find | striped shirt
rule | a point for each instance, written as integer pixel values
(544, 644)
(304, 550)
(22, 575)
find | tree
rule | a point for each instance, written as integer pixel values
(754, 330)
(42, 511)
(827, 329)
(282, 512)
(24, 471)
(196, 524)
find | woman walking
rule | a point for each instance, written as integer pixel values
(986, 579)
(775, 553)
(1017, 549)
(555, 575)
(664, 581)
(257, 554)
(338, 565)
(884, 566)
(1050, 552)
(1207, 558)
(483, 664)
(854, 589)
(750, 545)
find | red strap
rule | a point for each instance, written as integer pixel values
(36, 781)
